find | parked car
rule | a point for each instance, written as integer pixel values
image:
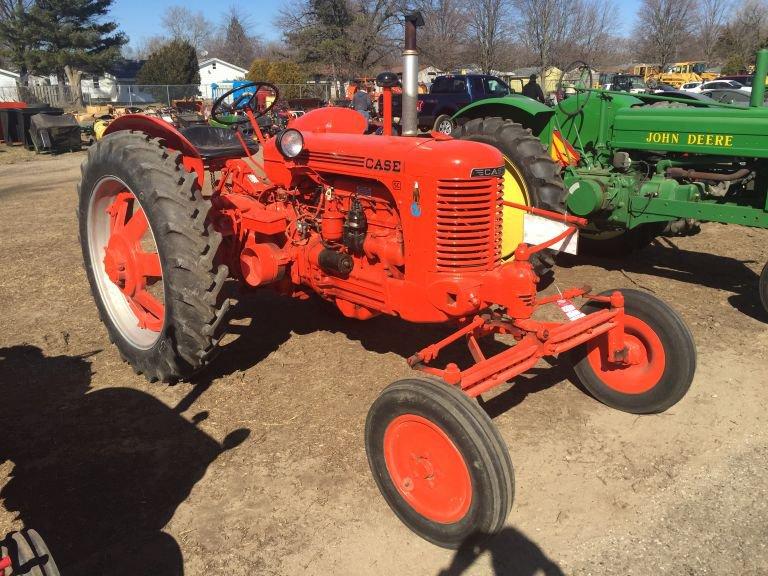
(623, 83)
(729, 96)
(691, 87)
(693, 96)
(449, 94)
(743, 79)
(716, 85)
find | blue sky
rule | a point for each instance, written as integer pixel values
(141, 18)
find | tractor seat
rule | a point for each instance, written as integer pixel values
(216, 143)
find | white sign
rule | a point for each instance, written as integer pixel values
(537, 230)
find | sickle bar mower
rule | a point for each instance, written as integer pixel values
(404, 226)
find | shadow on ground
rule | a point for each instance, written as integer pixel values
(97, 473)
(664, 259)
(512, 554)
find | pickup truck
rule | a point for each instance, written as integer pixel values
(449, 94)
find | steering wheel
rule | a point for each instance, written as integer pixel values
(577, 75)
(247, 98)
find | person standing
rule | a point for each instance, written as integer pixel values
(533, 90)
(361, 102)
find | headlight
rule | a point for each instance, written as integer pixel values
(290, 143)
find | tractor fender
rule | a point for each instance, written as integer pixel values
(521, 109)
(170, 136)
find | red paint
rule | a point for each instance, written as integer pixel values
(131, 268)
(427, 469)
(645, 361)
(430, 253)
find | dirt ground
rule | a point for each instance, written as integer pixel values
(258, 467)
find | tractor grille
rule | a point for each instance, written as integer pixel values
(336, 159)
(468, 224)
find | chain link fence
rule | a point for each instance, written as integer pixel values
(144, 95)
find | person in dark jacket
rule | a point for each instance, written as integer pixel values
(533, 90)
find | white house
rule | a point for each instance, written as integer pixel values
(8, 91)
(215, 72)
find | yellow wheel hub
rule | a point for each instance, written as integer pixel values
(515, 190)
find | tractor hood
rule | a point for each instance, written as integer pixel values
(384, 158)
(721, 130)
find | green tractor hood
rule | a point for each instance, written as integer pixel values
(722, 131)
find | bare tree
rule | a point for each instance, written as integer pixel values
(744, 34)
(443, 40)
(590, 26)
(181, 23)
(488, 26)
(543, 28)
(710, 18)
(663, 26)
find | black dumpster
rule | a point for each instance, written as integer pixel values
(54, 133)
(16, 122)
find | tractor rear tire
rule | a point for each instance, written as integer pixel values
(664, 367)
(439, 462)
(763, 287)
(531, 178)
(193, 283)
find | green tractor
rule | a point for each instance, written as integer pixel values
(634, 165)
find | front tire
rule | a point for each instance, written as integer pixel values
(151, 256)
(665, 358)
(439, 462)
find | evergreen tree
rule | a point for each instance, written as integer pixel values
(15, 39)
(174, 63)
(70, 38)
(238, 48)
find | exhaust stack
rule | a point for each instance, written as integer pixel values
(409, 120)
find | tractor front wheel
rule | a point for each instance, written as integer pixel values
(151, 256)
(662, 357)
(439, 462)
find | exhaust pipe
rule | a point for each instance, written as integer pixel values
(410, 98)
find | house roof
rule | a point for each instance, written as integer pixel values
(126, 69)
(220, 61)
(4, 72)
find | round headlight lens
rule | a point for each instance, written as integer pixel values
(291, 143)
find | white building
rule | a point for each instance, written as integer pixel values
(215, 72)
(8, 91)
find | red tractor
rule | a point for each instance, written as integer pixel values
(407, 226)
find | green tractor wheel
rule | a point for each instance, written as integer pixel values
(619, 243)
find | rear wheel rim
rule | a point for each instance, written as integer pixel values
(427, 469)
(515, 190)
(647, 359)
(446, 127)
(125, 262)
